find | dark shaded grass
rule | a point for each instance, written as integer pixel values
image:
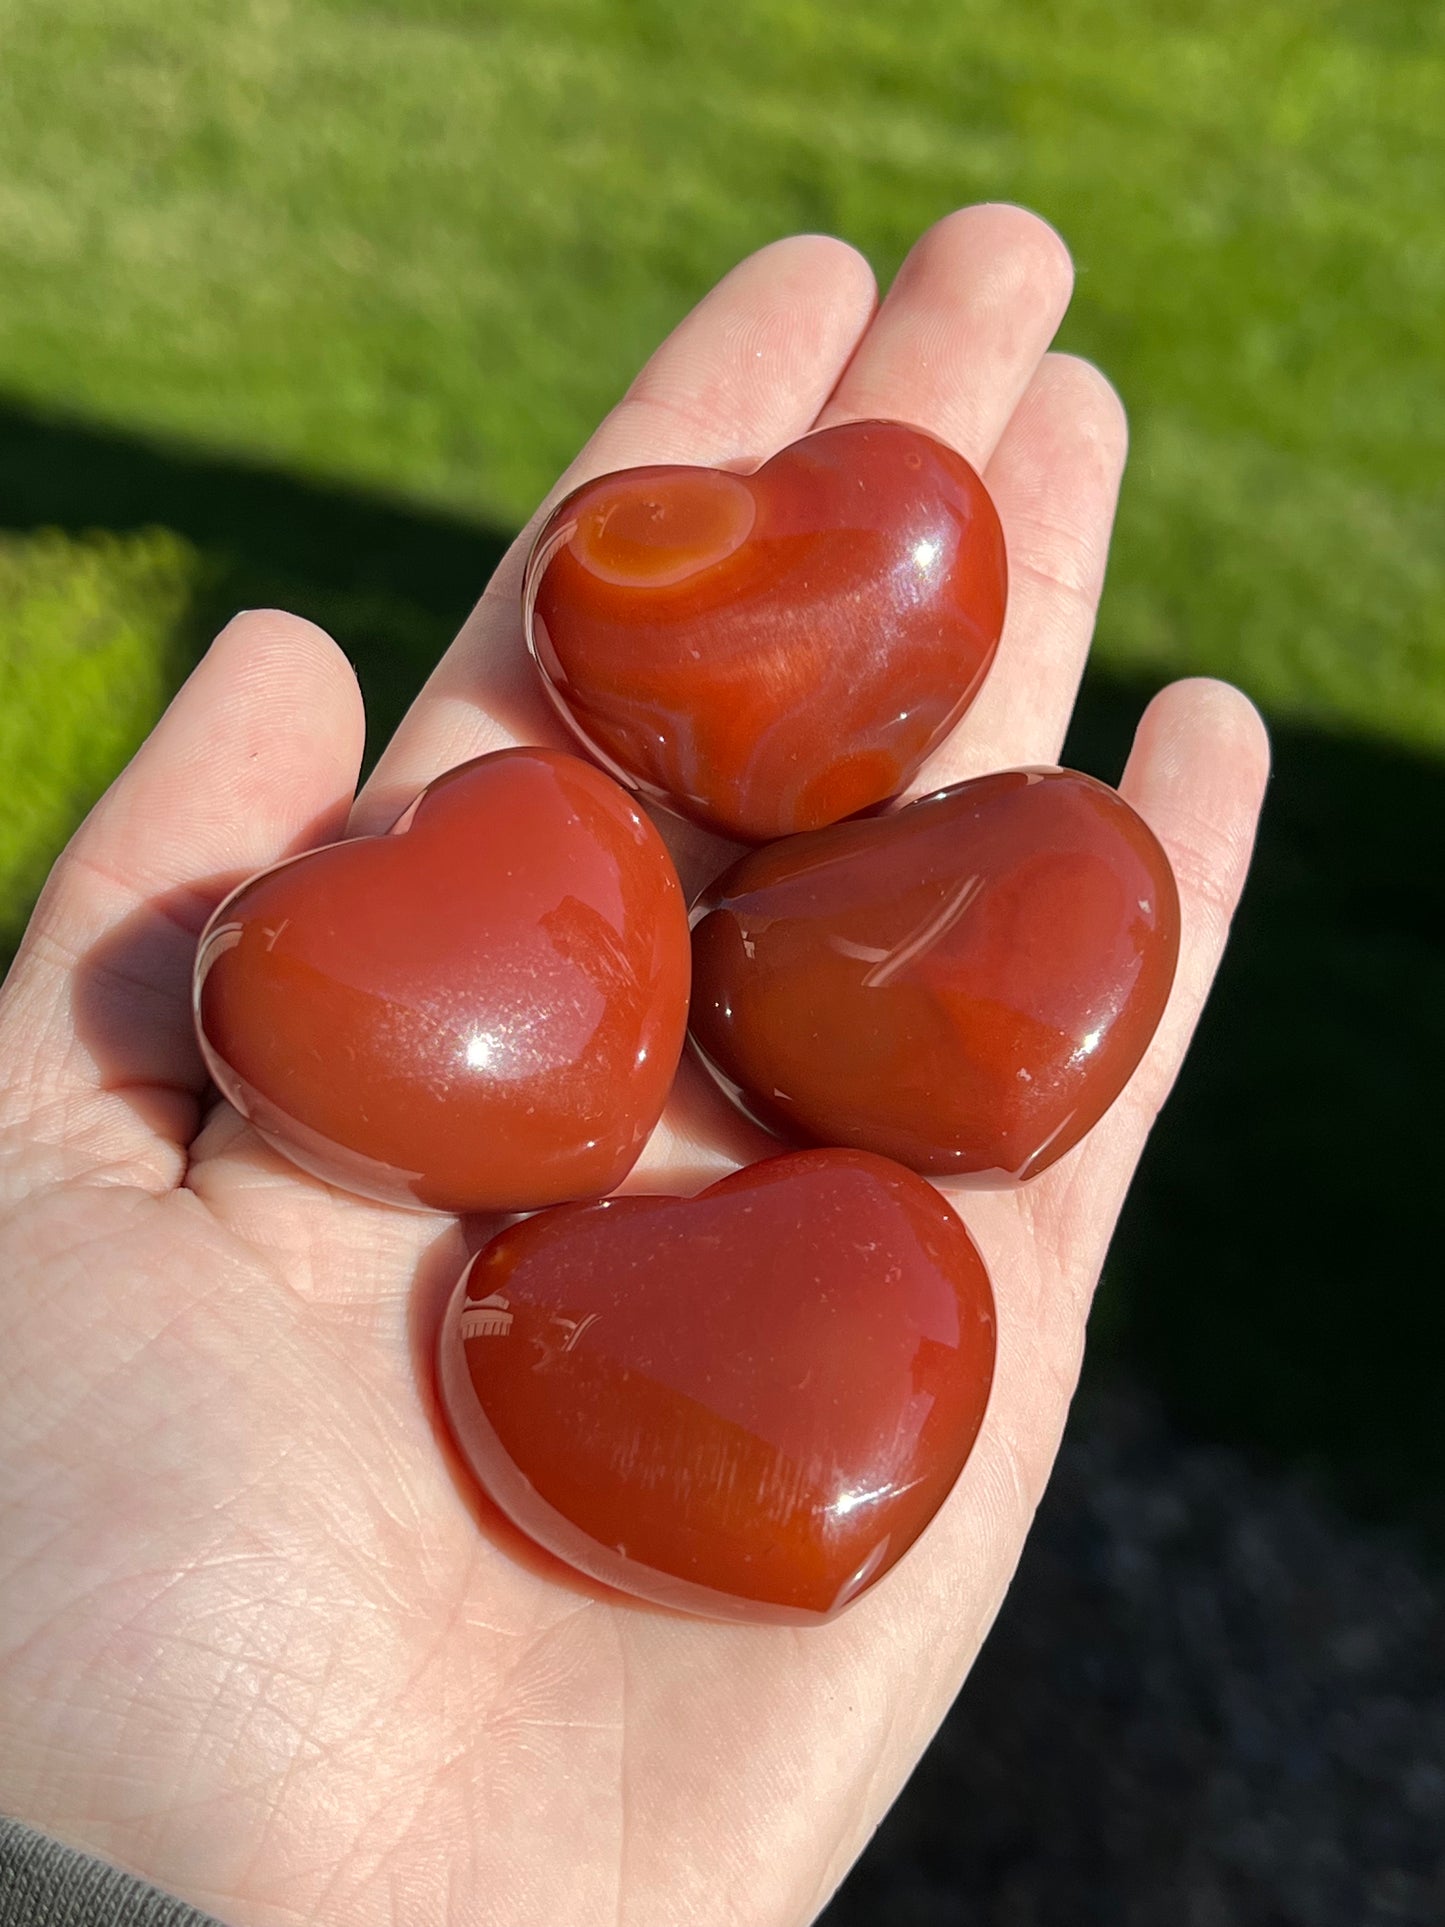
(391, 582)
(1210, 1701)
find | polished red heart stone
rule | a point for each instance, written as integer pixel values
(746, 1404)
(481, 1011)
(767, 653)
(966, 985)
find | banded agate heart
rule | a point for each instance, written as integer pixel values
(768, 653)
(965, 985)
(746, 1404)
(481, 1011)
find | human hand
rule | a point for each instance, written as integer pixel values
(258, 1640)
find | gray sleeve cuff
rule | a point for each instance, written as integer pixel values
(43, 1884)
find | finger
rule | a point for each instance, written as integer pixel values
(965, 324)
(256, 757)
(743, 375)
(1055, 477)
(1197, 775)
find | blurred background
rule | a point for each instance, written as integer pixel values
(306, 301)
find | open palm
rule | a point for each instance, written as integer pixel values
(258, 1639)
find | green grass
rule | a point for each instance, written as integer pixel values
(83, 632)
(423, 243)
(322, 293)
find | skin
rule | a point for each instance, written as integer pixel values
(257, 1642)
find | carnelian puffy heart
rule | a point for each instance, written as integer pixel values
(746, 1404)
(966, 985)
(767, 653)
(481, 1011)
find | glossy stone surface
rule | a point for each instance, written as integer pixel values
(481, 1011)
(965, 985)
(771, 652)
(746, 1404)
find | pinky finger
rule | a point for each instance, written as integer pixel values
(1197, 775)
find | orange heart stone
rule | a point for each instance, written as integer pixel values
(965, 985)
(746, 1404)
(481, 1011)
(767, 653)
